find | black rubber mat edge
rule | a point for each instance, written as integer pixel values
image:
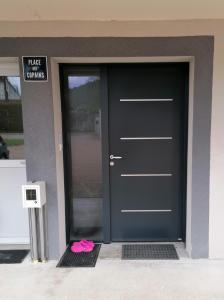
(13, 256)
(155, 252)
(90, 257)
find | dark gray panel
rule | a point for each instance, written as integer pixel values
(38, 113)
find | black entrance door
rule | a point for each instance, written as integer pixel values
(147, 134)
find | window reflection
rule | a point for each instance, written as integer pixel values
(85, 127)
(10, 88)
(11, 123)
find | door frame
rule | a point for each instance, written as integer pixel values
(55, 61)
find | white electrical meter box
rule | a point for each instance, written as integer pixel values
(34, 194)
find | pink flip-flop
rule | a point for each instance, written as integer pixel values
(77, 247)
(86, 242)
(87, 245)
(82, 246)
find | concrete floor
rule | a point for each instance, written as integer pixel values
(115, 279)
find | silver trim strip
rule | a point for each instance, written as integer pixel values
(147, 138)
(145, 100)
(145, 210)
(150, 175)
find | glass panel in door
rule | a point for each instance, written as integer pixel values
(84, 155)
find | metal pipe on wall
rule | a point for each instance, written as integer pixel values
(37, 222)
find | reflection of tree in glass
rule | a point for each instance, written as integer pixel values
(4, 152)
(85, 97)
(9, 88)
(84, 105)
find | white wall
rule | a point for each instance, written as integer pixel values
(111, 10)
(161, 28)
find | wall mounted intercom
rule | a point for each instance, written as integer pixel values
(34, 194)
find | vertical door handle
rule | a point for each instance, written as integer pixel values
(115, 157)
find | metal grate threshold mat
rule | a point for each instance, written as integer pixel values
(83, 259)
(149, 252)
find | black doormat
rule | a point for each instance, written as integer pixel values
(12, 256)
(83, 259)
(149, 251)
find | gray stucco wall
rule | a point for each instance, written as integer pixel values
(38, 114)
